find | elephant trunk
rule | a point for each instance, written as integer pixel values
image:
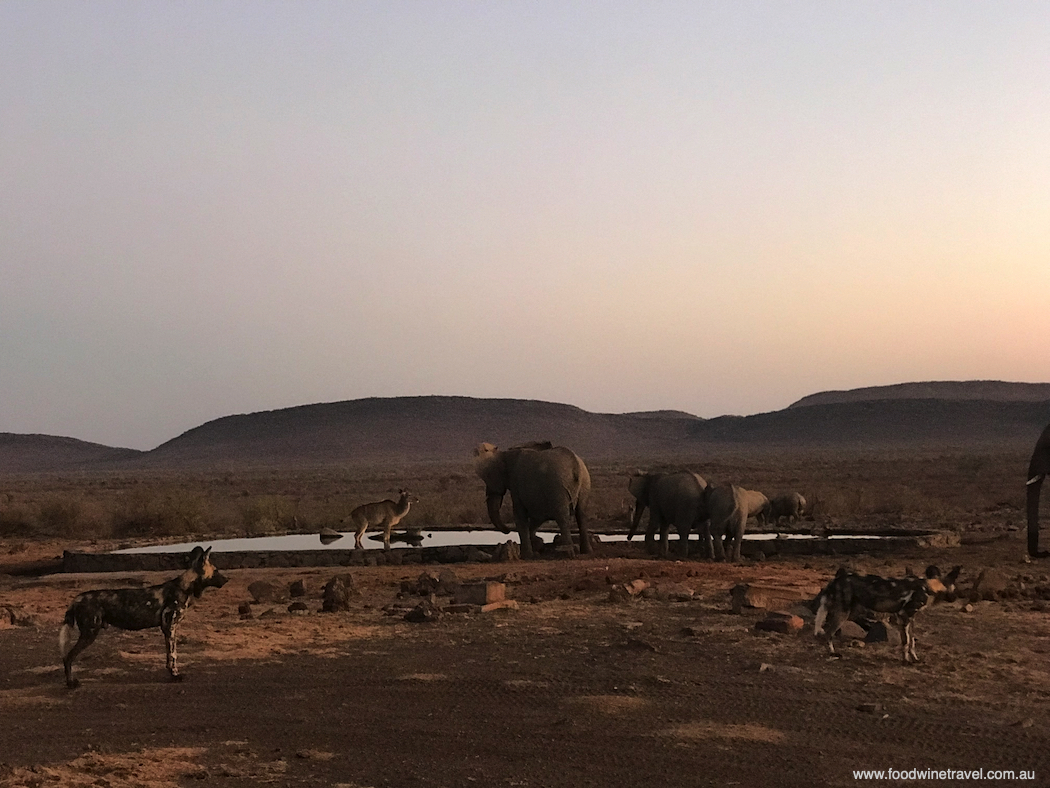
(494, 502)
(1035, 485)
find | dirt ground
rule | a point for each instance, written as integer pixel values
(569, 689)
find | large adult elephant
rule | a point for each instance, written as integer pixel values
(545, 483)
(676, 498)
(1038, 468)
(729, 507)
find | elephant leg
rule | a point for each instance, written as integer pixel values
(655, 526)
(525, 537)
(566, 536)
(683, 538)
(584, 531)
(717, 543)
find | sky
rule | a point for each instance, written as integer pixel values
(210, 208)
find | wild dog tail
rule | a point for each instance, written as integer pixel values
(68, 634)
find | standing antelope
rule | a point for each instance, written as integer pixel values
(386, 514)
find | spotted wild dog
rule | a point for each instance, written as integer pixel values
(849, 592)
(137, 608)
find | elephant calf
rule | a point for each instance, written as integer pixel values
(790, 505)
(675, 498)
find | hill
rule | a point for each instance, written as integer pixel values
(47, 453)
(445, 429)
(986, 390)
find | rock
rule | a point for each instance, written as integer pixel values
(508, 551)
(640, 645)
(870, 708)
(990, 584)
(480, 593)
(851, 630)
(625, 592)
(477, 555)
(337, 593)
(426, 584)
(782, 623)
(245, 610)
(766, 597)
(423, 613)
(678, 592)
(298, 607)
(297, 588)
(878, 632)
(263, 591)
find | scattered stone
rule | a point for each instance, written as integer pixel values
(870, 708)
(477, 555)
(298, 607)
(245, 610)
(746, 595)
(1027, 722)
(263, 591)
(269, 613)
(480, 593)
(690, 632)
(337, 593)
(424, 613)
(969, 608)
(626, 592)
(990, 584)
(508, 551)
(782, 623)
(329, 535)
(851, 630)
(878, 632)
(297, 588)
(764, 667)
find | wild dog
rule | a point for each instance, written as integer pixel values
(849, 592)
(161, 606)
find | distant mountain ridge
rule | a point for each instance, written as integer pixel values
(445, 429)
(990, 390)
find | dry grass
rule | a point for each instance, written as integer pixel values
(842, 486)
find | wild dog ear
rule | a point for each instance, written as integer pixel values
(196, 554)
(932, 572)
(952, 576)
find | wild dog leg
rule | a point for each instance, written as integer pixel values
(87, 637)
(169, 624)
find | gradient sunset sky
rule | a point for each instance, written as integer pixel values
(212, 208)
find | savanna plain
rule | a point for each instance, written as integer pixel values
(569, 688)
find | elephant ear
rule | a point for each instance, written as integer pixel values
(638, 484)
(489, 466)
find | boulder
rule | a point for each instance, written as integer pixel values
(851, 630)
(783, 623)
(990, 584)
(508, 551)
(480, 593)
(423, 613)
(297, 588)
(878, 632)
(263, 591)
(337, 593)
(626, 592)
(768, 597)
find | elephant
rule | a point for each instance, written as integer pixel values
(672, 498)
(546, 482)
(1038, 468)
(729, 507)
(790, 505)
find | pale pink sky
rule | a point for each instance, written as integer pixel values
(718, 207)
